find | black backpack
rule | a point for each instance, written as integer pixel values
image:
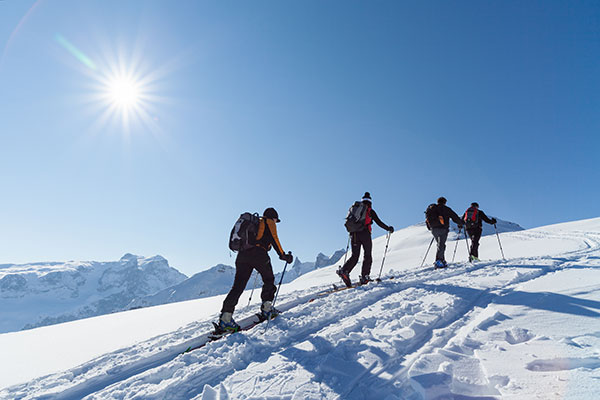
(357, 217)
(432, 217)
(471, 217)
(243, 234)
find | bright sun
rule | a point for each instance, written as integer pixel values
(123, 92)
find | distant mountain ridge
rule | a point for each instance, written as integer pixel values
(39, 294)
(218, 280)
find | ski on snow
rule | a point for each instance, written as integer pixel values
(218, 334)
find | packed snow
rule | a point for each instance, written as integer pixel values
(522, 328)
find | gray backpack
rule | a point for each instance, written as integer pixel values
(243, 234)
(357, 217)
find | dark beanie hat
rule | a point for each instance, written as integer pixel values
(271, 213)
(474, 205)
(442, 200)
(367, 197)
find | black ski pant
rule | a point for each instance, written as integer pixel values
(440, 235)
(358, 239)
(475, 235)
(255, 258)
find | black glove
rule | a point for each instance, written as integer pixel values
(288, 258)
(494, 221)
(390, 229)
(461, 226)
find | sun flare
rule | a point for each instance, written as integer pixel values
(123, 92)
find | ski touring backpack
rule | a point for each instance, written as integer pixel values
(357, 217)
(471, 217)
(433, 219)
(243, 234)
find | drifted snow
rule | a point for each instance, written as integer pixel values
(523, 328)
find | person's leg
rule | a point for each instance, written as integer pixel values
(471, 234)
(266, 273)
(367, 243)
(475, 242)
(349, 265)
(243, 271)
(440, 236)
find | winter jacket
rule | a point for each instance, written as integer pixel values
(446, 213)
(267, 236)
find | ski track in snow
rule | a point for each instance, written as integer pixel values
(402, 337)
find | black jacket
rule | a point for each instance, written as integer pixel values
(480, 216)
(446, 213)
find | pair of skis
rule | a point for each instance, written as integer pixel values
(337, 288)
(218, 333)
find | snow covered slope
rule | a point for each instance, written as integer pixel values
(48, 293)
(523, 328)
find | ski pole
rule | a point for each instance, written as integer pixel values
(430, 243)
(253, 286)
(277, 292)
(456, 244)
(498, 236)
(384, 253)
(467, 242)
(347, 247)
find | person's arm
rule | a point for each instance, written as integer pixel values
(274, 238)
(484, 217)
(455, 217)
(379, 222)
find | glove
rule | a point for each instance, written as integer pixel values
(288, 258)
(494, 221)
(390, 229)
(461, 226)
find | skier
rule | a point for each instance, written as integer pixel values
(473, 217)
(362, 237)
(257, 258)
(438, 222)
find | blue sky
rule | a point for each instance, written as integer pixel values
(301, 106)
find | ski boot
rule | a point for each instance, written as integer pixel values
(267, 311)
(473, 258)
(345, 277)
(364, 279)
(440, 264)
(227, 324)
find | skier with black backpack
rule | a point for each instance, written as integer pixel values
(253, 236)
(473, 218)
(437, 218)
(358, 223)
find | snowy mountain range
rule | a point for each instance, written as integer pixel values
(218, 280)
(39, 294)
